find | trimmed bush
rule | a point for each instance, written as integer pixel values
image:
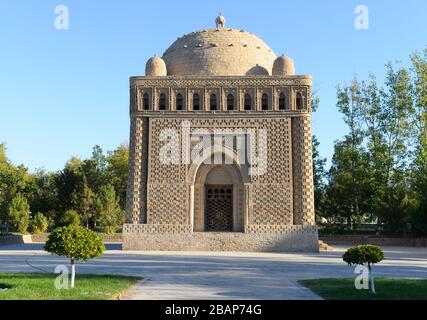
(40, 223)
(19, 214)
(364, 254)
(70, 218)
(76, 243)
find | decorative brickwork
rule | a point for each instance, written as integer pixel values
(302, 171)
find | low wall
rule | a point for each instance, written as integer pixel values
(42, 238)
(10, 240)
(374, 240)
(153, 238)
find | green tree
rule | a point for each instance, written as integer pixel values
(109, 213)
(70, 218)
(319, 172)
(347, 175)
(76, 243)
(419, 139)
(117, 171)
(19, 213)
(66, 183)
(13, 180)
(45, 197)
(387, 112)
(40, 223)
(84, 201)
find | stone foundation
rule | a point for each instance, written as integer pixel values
(181, 238)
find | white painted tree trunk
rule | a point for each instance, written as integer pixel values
(371, 273)
(73, 272)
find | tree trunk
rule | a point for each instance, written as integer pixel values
(371, 274)
(349, 223)
(73, 271)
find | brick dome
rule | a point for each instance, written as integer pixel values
(219, 52)
(283, 66)
(155, 67)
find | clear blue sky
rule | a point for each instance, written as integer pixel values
(62, 92)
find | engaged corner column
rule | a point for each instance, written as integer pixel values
(303, 189)
(136, 188)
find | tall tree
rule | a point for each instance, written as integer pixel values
(109, 214)
(117, 171)
(319, 172)
(13, 180)
(347, 183)
(386, 113)
(419, 137)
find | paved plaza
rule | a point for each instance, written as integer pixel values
(218, 275)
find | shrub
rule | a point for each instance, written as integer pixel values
(19, 214)
(70, 218)
(40, 223)
(76, 243)
(364, 254)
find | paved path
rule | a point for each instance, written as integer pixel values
(213, 275)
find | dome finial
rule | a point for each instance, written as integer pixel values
(220, 21)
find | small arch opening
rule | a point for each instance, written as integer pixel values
(162, 102)
(179, 102)
(213, 102)
(264, 102)
(146, 101)
(282, 101)
(230, 102)
(196, 102)
(248, 102)
(300, 101)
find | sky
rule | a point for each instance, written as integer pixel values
(64, 91)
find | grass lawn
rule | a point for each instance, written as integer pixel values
(38, 286)
(387, 289)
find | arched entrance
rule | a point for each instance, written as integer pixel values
(203, 179)
(218, 200)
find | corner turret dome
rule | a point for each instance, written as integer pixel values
(155, 67)
(283, 66)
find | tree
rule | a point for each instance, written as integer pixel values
(66, 182)
(117, 171)
(109, 213)
(76, 243)
(387, 112)
(319, 172)
(19, 213)
(13, 180)
(364, 254)
(84, 201)
(347, 175)
(40, 223)
(45, 197)
(70, 218)
(419, 138)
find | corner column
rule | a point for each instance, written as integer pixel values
(302, 171)
(136, 209)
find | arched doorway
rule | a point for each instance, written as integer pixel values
(218, 209)
(218, 199)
